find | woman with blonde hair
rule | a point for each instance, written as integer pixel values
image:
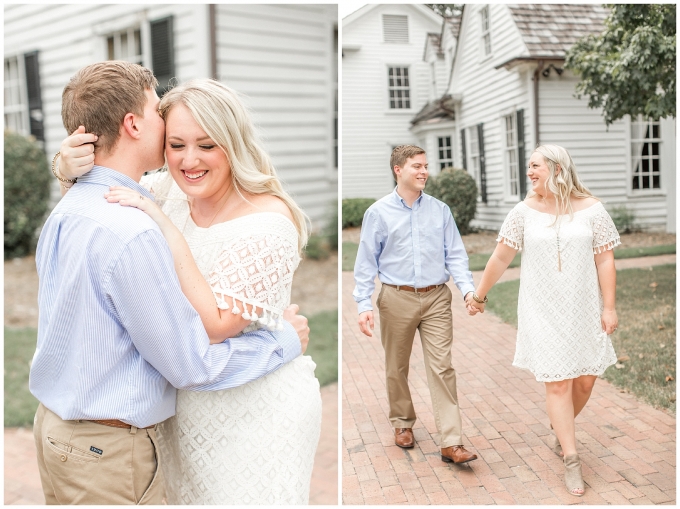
(236, 238)
(566, 308)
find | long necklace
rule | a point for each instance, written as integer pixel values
(559, 246)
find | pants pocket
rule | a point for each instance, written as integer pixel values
(153, 495)
(71, 471)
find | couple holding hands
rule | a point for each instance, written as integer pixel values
(566, 308)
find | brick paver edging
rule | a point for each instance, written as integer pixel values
(627, 447)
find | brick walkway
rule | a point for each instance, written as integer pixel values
(627, 447)
(22, 480)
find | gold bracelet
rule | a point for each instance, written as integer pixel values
(55, 171)
(478, 300)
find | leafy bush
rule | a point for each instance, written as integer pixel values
(624, 219)
(458, 190)
(317, 247)
(353, 210)
(331, 230)
(27, 193)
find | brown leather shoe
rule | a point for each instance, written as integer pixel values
(457, 454)
(403, 437)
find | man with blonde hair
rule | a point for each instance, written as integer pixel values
(116, 335)
(411, 242)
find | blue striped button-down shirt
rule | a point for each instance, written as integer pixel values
(116, 335)
(414, 246)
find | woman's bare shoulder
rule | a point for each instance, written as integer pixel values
(583, 203)
(270, 203)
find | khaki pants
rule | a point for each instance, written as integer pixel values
(401, 313)
(82, 462)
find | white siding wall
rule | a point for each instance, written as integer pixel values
(69, 37)
(280, 58)
(370, 128)
(487, 95)
(601, 154)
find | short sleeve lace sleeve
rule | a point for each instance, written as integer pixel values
(158, 183)
(256, 270)
(512, 231)
(605, 235)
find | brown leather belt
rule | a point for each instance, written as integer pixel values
(411, 289)
(115, 423)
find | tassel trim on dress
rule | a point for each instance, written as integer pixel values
(509, 242)
(608, 246)
(271, 318)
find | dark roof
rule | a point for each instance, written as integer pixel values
(453, 22)
(551, 29)
(435, 111)
(434, 40)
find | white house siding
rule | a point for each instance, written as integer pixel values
(69, 37)
(255, 50)
(601, 154)
(487, 94)
(280, 57)
(370, 128)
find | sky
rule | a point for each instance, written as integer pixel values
(347, 8)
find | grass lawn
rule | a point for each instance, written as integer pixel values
(478, 260)
(645, 341)
(323, 345)
(20, 405)
(349, 255)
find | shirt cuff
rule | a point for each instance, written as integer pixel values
(289, 341)
(465, 289)
(364, 305)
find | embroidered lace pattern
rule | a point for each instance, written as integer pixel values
(253, 444)
(559, 333)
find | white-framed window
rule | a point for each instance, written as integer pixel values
(474, 153)
(16, 97)
(645, 141)
(125, 45)
(511, 155)
(399, 88)
(395, 28)
(486, 31)
(445, 152)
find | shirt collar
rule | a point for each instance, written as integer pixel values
(108, 177)
(398, 199)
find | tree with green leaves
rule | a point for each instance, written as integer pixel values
(629, 69)
(446, 10)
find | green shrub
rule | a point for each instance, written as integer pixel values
(317, 247)
(27, 193)
(458, 190)
(353, 210)
(624, 219)
(331, 230)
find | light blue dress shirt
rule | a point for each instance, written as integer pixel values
(116, 334)
(414, 246)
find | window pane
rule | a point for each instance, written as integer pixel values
(138, 42)
(636, 183)
(111, 52)
(656, 182)
(655, 131)
(655, 165)
(645, 182)
(655, 149)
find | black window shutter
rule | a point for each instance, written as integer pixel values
(162, 52)
(35, 112)
(522, 173)
(463, 149)
(482, 161)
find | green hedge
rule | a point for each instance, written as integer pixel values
(353, 210)
(458, 190)
(27, 193)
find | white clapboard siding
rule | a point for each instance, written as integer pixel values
(488, 94)
(370, 128)
(280, 59)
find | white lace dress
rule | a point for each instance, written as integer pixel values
(253, 444)
(559, 333)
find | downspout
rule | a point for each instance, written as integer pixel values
(212, 23)
(537, 74)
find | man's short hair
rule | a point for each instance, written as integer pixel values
(401, 154)
(100, 95)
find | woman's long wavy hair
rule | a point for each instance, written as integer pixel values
(221, 113)
(563, 183)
